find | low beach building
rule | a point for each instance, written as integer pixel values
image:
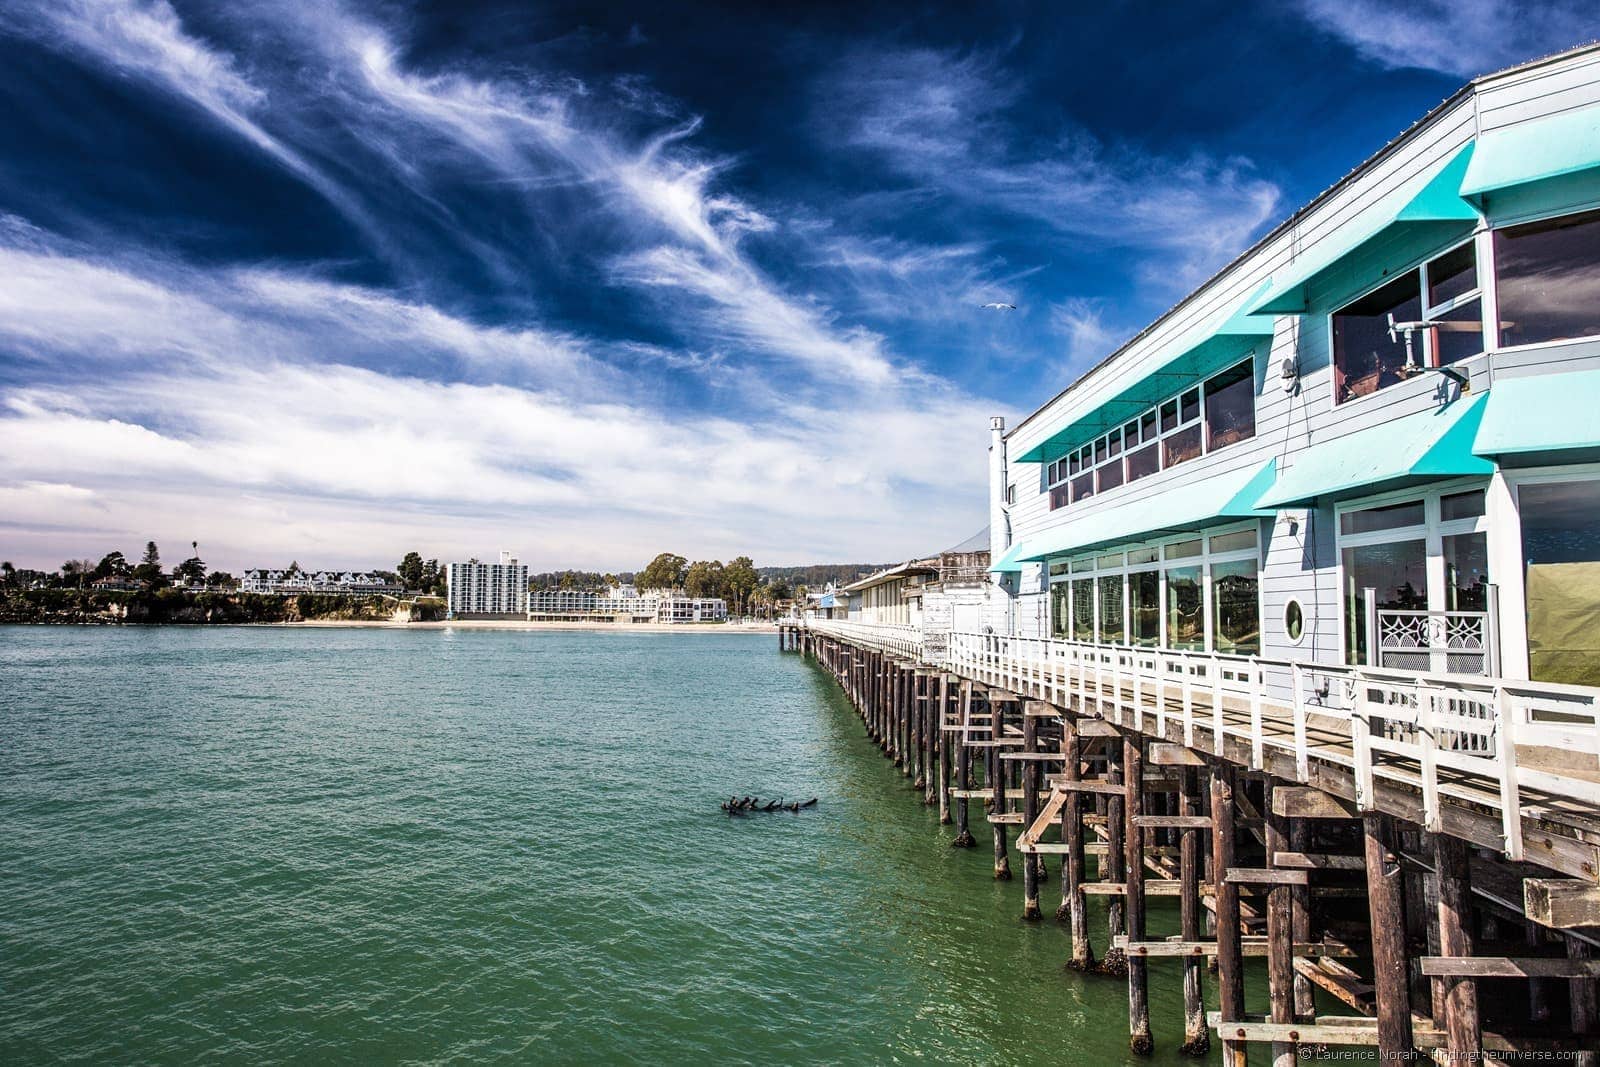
(488, 590)
(623, 604)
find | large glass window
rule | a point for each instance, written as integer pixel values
(1144, 608)
(1186, 609)
(1060, 608)
(1397, 572)
(1548, 277)
(1466, 572)
(1561, 561)
(1083, 609)
(1231, 406)
(1111, 622)
(1236, 607)
(1365, 357)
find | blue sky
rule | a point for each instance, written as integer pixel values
(330, 281)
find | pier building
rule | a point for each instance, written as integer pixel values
(1299, 615)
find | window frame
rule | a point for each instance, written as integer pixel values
(1431, 532)
(1430, 343)
(1512, 222)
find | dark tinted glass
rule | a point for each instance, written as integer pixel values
(1392, 517)
(1461, 505)
(1147, 426)
(1114, 447)
(1100, 450)
(1548, 276)
(1130, 433)
(1364, 358)
(1169, 415)
(1189, 409)
(1181, 446)
(1146, 460)
(1459, 333)
(1231, 406)
(1452, 274)
(1082, 486)
(1110, 476)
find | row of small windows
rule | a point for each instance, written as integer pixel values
(1219, 412)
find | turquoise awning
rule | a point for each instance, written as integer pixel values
(1208, 348)
(1541, 413)
(1428, 444)
(1011, 562)
(1532, 151)
(1189, 506)
(1435, 198)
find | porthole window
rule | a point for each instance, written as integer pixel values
(1294, 621)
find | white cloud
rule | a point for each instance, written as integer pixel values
(1464, 38)
(941, 119)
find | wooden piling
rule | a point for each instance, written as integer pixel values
(1280, 933)
(997, 781)
(1140, 1041)
(1457, 996)
(1030, 809)
(1391, 972)
(1196, 1035)
(964, 837)
(1230, 950)
(1073, 899)
(945, 739)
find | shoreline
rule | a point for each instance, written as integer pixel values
(519, 624)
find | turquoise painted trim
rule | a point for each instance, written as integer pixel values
(1011, 562)
(1533, 151)
(1541, 413)
(1212, 346)
(1427, 444)
(1436, 200)
(1185, 507)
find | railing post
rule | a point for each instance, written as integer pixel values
(1432, 818)
(1506, 757)
(1257, 679)
(1361, 745)
(1302, 758)
(1491, 632)
(1370, 595)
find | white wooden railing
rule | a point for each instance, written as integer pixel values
(1446, 735)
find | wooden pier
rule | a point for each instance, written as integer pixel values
(1395, 902)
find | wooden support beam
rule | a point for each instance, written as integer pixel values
(1174, 822)
(1167, 754)
(1072, 864)
(1303, 802)
(1280, 933)
(1264, 876)
(997, 783)
(1325, 1030)
(1562, 903)
(1509, 967)
(1196, 1035)
(1318, 861)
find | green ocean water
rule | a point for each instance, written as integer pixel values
(266, 845)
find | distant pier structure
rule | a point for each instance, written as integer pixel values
(1290, 610)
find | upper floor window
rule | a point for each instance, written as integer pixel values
(1219, 412)
(1427, 317)
(1547, 275)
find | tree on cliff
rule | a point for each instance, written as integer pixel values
(112, 565)
(410, 571)
(149, 568)
(191, 570)
(666, 571)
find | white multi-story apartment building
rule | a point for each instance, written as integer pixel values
(288, 583)
(494, 589)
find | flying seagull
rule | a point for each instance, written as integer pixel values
(998, 307)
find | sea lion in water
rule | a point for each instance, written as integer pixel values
(810, 803)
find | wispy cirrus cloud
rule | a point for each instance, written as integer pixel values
(1464, 38)
(942, 120)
